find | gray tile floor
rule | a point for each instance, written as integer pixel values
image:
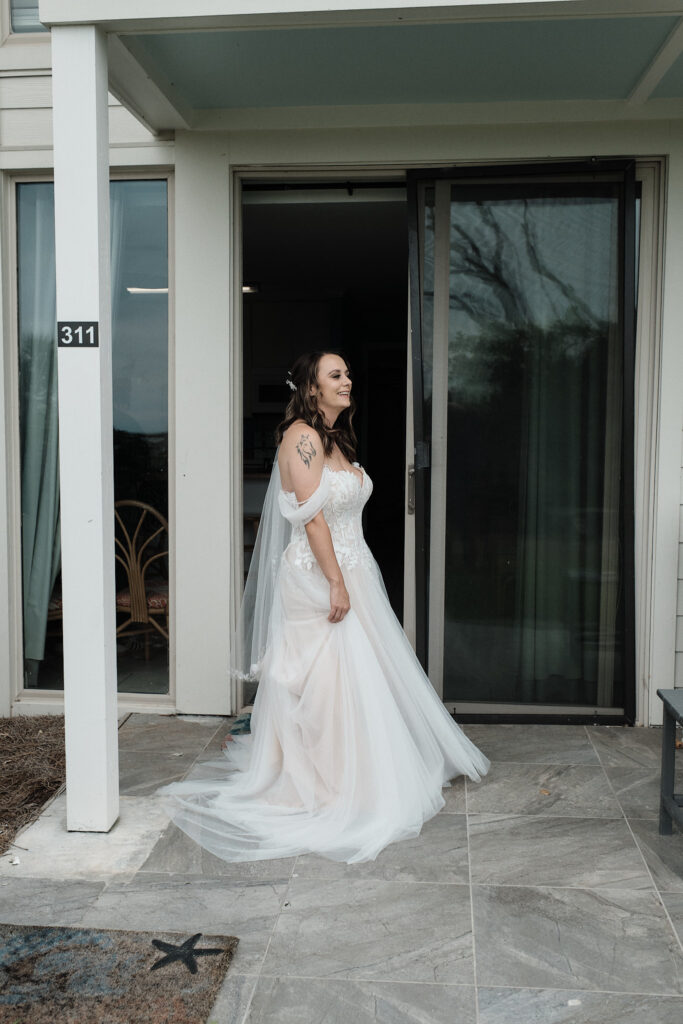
(542, 894)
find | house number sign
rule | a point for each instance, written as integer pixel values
(78, 334)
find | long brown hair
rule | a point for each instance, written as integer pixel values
(304, 406)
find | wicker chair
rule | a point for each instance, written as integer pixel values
(141, 539)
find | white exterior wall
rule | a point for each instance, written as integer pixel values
(679, 616)
(206, 424)
(203, 435)
(667, 671)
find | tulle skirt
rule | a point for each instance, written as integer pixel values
(350, 746)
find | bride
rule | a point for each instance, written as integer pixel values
(350, 745)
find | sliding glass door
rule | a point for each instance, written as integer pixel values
(525, 299)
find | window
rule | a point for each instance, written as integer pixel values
(139, 260)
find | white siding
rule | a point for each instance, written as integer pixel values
(26, 116)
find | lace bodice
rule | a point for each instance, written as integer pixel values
(341, 495)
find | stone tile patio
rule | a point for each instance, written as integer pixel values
(542, 895)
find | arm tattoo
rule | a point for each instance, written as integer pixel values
(304, 447)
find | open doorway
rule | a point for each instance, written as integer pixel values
(325, 267)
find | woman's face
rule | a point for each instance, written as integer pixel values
(334, 386)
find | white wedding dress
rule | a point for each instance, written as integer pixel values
(350, 745)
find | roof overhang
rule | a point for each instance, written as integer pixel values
(173, 15)
(234, 65)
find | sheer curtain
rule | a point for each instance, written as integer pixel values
(117, 210)
(38, 411)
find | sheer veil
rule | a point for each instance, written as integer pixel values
(280, 512)
(251, 634)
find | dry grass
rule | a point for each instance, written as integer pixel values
(31, 769)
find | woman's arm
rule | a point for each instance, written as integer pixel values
(303, 455)
(320, 539)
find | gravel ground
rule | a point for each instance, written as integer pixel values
(31, 770)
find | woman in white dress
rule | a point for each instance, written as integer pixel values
(350, 745)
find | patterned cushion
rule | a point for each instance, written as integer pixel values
(157, 596)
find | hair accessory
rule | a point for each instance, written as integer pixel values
(290, 383)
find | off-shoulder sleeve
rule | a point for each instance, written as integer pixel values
(303, 511)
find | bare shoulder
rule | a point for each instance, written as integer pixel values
(301, 441)
(301, 459)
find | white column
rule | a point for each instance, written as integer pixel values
(81, 158)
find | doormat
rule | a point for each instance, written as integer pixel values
(91, 976)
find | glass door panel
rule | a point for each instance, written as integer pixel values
(530, 577)
(139, 264)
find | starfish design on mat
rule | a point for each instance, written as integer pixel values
(185, 952)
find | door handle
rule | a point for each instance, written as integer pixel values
(411, 490)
